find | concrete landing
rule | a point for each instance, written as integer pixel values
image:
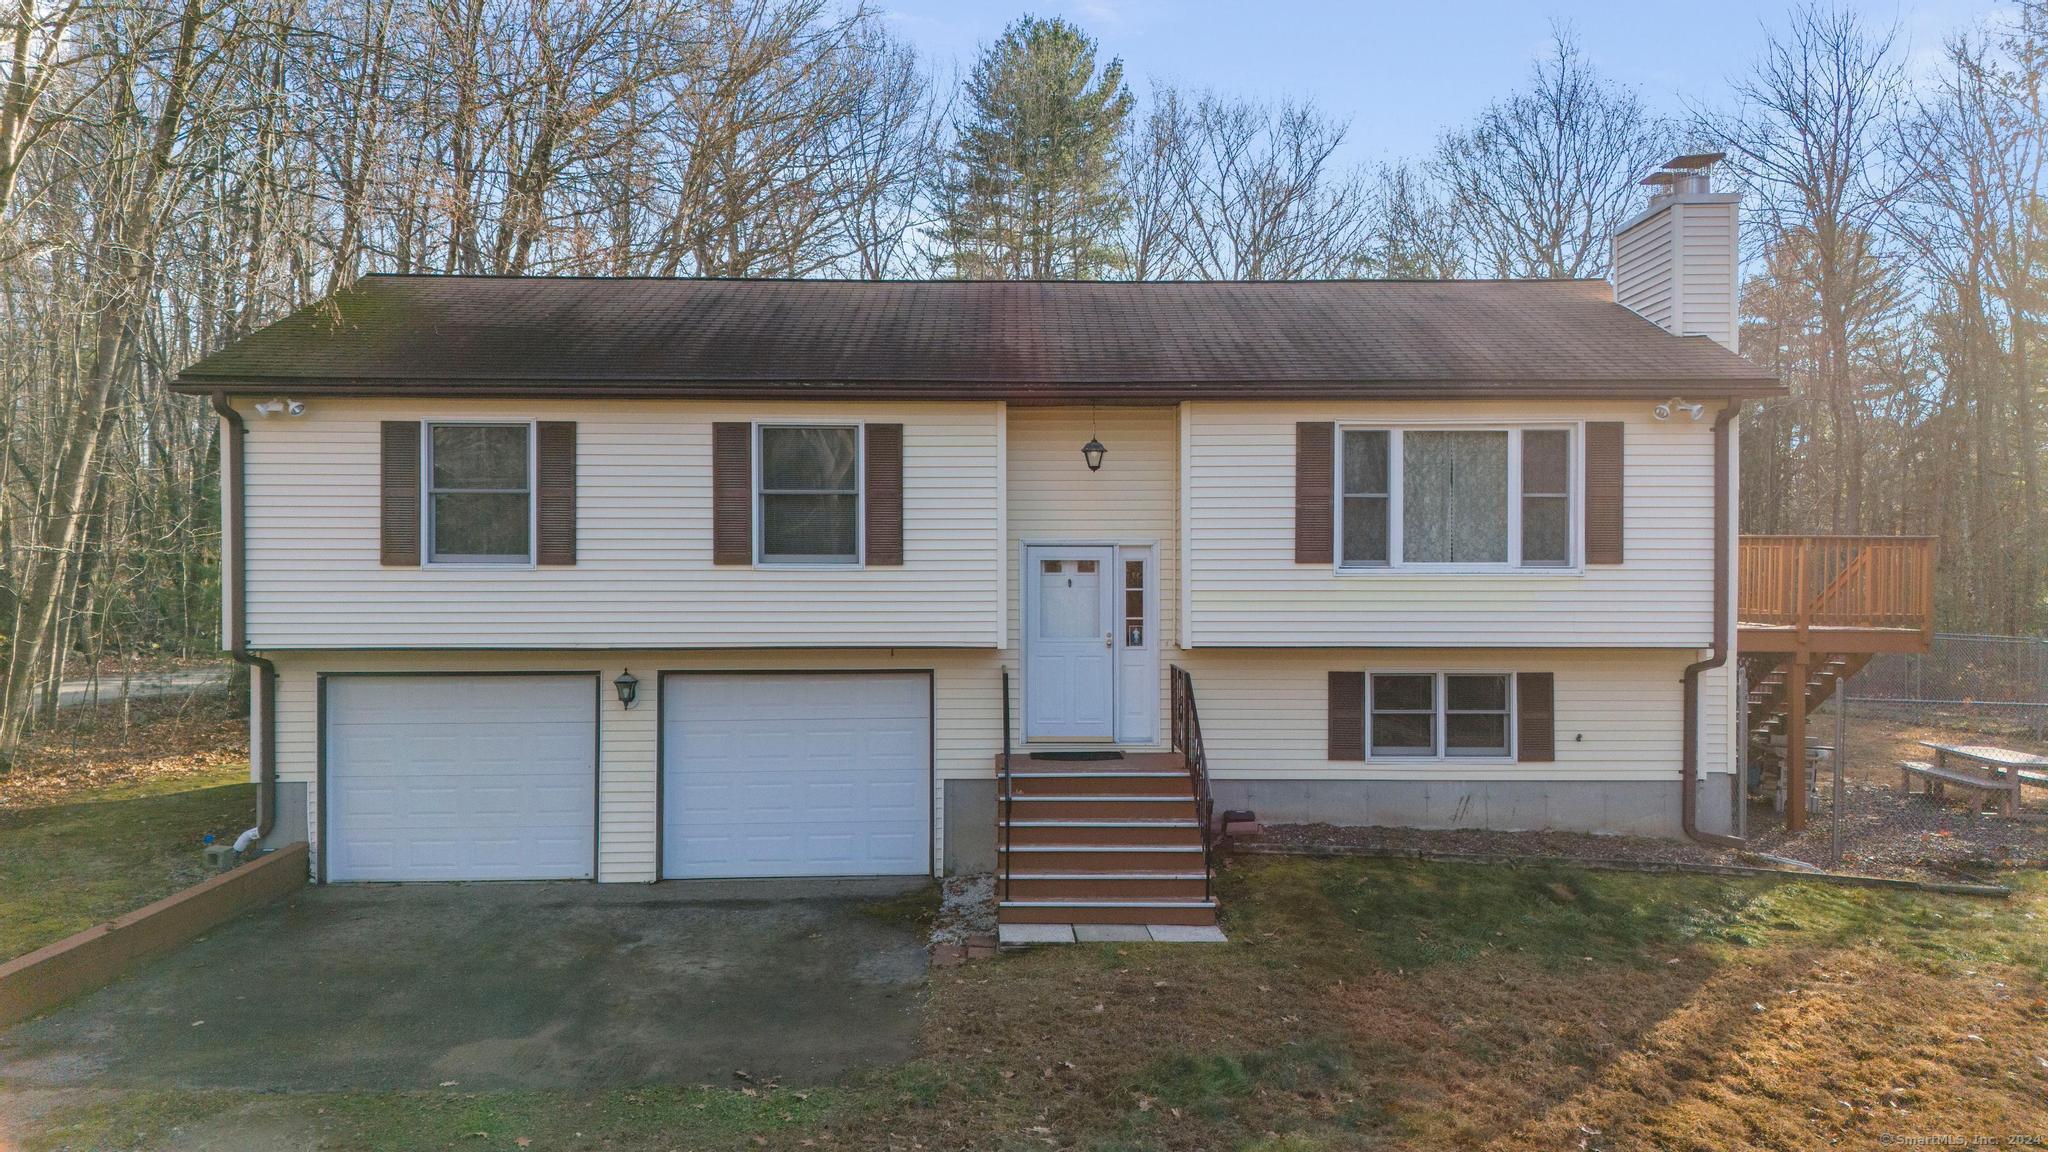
(1025, 935)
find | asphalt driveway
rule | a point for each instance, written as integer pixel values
(498, 986)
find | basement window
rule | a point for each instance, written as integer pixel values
(1440, 715)
(808, 494)
(479, 494)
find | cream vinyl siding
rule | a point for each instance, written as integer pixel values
(1243, 588)
(1054, 499)
(1675, 265)
(1265, 715)
(643, 575)
(966, 696)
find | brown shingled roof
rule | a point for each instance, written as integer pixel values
(1023, 340)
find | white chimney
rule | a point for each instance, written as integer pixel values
(1675, 263)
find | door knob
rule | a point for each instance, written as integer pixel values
(1107, 641)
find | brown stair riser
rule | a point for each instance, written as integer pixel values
(1109, 859)
(1081, 834)
(1111, 888)
(1199, 917)
(1103, 785)
(1022, 809)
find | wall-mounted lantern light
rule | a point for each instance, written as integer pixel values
(1093, 452)
(629, 688)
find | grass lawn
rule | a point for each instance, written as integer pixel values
(1361, 1004)
(69, 865)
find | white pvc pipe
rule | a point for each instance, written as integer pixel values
(243, 841)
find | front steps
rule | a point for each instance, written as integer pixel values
(1102, 842)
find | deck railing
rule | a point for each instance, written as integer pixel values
(1806, 582)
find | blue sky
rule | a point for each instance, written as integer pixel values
(1402, 72)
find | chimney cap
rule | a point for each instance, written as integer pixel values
(1695, 161)
(1664, 179)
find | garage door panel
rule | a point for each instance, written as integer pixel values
(461, 778)
(797, 775)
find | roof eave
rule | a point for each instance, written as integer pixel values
(1757, 387)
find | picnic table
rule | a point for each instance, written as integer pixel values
(2005, 769)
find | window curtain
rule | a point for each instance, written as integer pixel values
(1455, 497)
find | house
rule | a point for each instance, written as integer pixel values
(631, 579)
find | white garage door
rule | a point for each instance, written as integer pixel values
(461, 777)
(787, 775)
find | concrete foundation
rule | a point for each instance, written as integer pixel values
(1634, 808)
(290, 827)
(970, 826)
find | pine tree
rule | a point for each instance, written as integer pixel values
(1032, 192)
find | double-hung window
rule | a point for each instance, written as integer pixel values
(479, 498)
(808, 494)
(1427, 715)
(1455, 497)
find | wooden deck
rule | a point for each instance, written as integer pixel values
(1809, 612)
(1835, 594)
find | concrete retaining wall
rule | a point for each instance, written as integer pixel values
(53, 974)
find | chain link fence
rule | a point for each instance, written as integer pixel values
(1991, 684)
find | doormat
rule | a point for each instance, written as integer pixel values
(1077, 755)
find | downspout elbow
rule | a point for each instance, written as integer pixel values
(1688, 801)
(263, 673)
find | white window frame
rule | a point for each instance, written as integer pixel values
(860, 502)
(1397, 497)
(429, 557)
(1439, 725)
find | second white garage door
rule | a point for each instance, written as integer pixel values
(461, 777)
(796, 775)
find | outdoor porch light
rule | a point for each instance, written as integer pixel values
(629, 688)
(1093, 452)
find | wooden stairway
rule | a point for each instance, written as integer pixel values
(1112, 841)
(1770, 690)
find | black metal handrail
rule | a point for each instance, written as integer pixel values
(1009, 790)
(1187, 740)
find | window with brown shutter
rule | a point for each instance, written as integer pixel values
(1536, 708)
(399, 493)
(732, 493)
(1314, 491)
(555, 491)
(1347, 715)
(1604, 493)
(884, 524)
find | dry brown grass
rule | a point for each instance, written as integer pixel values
(1538, 1009)
(92, 750)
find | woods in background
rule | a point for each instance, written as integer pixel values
(175, 174)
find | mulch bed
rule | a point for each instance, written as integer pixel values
(1883, 834)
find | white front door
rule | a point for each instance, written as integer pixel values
(1069, 644)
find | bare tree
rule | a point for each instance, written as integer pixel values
(1543, 178)
(1808, 139)
(1229, 189)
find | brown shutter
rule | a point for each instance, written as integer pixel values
(1314, 491)
(732, 493)
(1603, 493)
(1347, 715)
(399, 525)
(1536, 712)
(555, 491)
(884, 526)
